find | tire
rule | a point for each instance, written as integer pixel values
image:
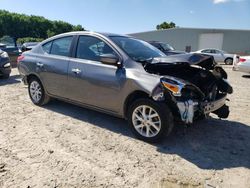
(229, 61)
(140, 124)
(37, 93)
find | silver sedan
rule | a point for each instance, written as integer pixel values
(219, 55)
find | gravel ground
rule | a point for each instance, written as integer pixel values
(62, 145)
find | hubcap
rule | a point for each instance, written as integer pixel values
(229, 62)
(146, 121)
(35, 91)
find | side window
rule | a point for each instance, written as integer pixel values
(217, 52)
(46, 47)
(61, 46)
(92, 48)
(206, 51)
(156, 45)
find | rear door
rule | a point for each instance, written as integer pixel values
(219, 56)
(92, 82)
(53, 65)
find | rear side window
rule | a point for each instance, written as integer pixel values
(59, 46)
(47, 47)
(206, 51)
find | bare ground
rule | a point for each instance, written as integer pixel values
(62, 145)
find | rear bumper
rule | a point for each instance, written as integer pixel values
(244, 67)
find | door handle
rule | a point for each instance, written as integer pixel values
(77, 71)
(39, 64)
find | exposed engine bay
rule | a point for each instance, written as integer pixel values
(197, 85)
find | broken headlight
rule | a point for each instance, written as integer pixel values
(173, 85)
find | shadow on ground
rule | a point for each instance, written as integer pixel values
(11, 80)
(209, 144)
(246, 76)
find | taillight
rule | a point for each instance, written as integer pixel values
(20, 58)
(242, 60)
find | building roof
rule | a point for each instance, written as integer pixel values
(190, 28)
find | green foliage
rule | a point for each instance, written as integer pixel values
(21, 26)
(28, 39)
(166, 25)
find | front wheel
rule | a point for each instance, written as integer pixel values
(150, 120)
(37, 93)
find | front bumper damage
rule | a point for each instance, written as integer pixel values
(187, 109)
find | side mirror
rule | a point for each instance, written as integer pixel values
(109, 59)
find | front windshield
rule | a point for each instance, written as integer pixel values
(166, 47)
(137, 50)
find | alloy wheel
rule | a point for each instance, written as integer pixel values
(146, 121)
(35, 91)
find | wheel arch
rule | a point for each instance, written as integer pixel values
(138, 94)
(33, 75)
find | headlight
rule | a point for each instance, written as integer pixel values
(173, 85)
(4, 55)
(6, 65)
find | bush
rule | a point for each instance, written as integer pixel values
(29, 39)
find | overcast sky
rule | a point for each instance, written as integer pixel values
(130, 16)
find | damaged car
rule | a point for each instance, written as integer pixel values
(128, 78)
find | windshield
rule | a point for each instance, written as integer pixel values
(7, 41)
(138, 50)
(166, 47)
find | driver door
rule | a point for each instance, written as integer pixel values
(90, 81)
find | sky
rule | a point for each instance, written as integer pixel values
(132, 16)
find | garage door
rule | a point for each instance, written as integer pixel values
(211, 40)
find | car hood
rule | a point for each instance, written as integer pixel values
(202, 60)
(174, 52)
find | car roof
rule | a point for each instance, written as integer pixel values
(211, 49)
(158, 42)
(92, 32)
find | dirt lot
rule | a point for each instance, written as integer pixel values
(62, 145)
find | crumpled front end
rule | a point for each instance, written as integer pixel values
(190, 103)
(193, 91)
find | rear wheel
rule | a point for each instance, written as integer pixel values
(229, 61)
(37, 93)
(150, 120)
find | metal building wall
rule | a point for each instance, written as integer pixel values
(234, 41)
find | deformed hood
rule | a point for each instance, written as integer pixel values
(205, 61)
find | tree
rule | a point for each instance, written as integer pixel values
(166, 25)
(22, 26)
(28, 39)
